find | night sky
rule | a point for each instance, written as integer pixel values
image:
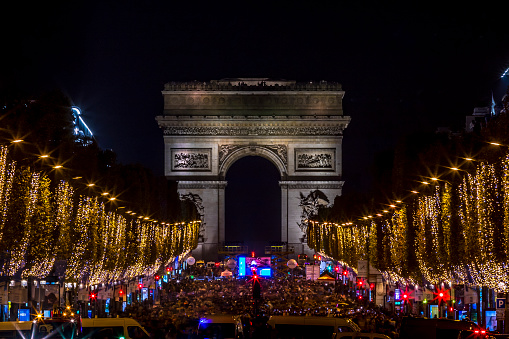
(404, 67)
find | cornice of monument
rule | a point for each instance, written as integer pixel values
(252, 84)
(257, 118)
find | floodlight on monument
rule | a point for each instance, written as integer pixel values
(505, 73)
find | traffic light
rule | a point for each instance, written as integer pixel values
(168, 270)
(405, 297)
(140, 286)
(337, 269)
(372, 286)
(217, 264)
(93, 296)
(360, 283)
(121, 293)
(157, 277)
(345, 272)
(252, 254)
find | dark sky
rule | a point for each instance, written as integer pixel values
(404, 66)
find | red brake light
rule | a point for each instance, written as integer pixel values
(476, 331)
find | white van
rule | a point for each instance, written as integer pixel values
(220, 326)
(15, 329)
(126, 328)
(357, 335)
(310, 327)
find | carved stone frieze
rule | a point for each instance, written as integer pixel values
(224, 150)
(202, 184)
(254, 130)
(311, 185)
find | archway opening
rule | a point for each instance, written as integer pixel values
(253, 203)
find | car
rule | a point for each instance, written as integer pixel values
(359, 335)
(310, 327)
(423, 328)
(98, 328)
(220, 326)
(15, 329)
(55, 328)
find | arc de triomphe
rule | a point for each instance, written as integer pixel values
(297, 126)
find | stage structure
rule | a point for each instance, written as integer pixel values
(297, 126)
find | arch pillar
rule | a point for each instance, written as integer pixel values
(209, 198)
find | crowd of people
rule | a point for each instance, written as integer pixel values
(184, 302)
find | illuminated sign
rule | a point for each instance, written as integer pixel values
(242, 266)
(264, 272)
(249, 265)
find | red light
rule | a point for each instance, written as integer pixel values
(405, 296)
(483, 331)
(345, 272)
(441, 295)
(168, 269)
(360, 282)
(360, 297)
(217, 264)
(252, 254)
(451, 309)
(92, 296)
(140, 286)
(476, 331)
(372, 286)
(120, 292)
(337, 268)
(319, 258)
(156, 277)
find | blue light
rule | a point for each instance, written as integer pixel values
(242, 266)
(264, 272)
(204, 321)
(506, 71)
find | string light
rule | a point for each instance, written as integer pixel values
(39, 225)
(476, 253)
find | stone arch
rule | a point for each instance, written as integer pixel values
(245, 151)
(293, 125)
